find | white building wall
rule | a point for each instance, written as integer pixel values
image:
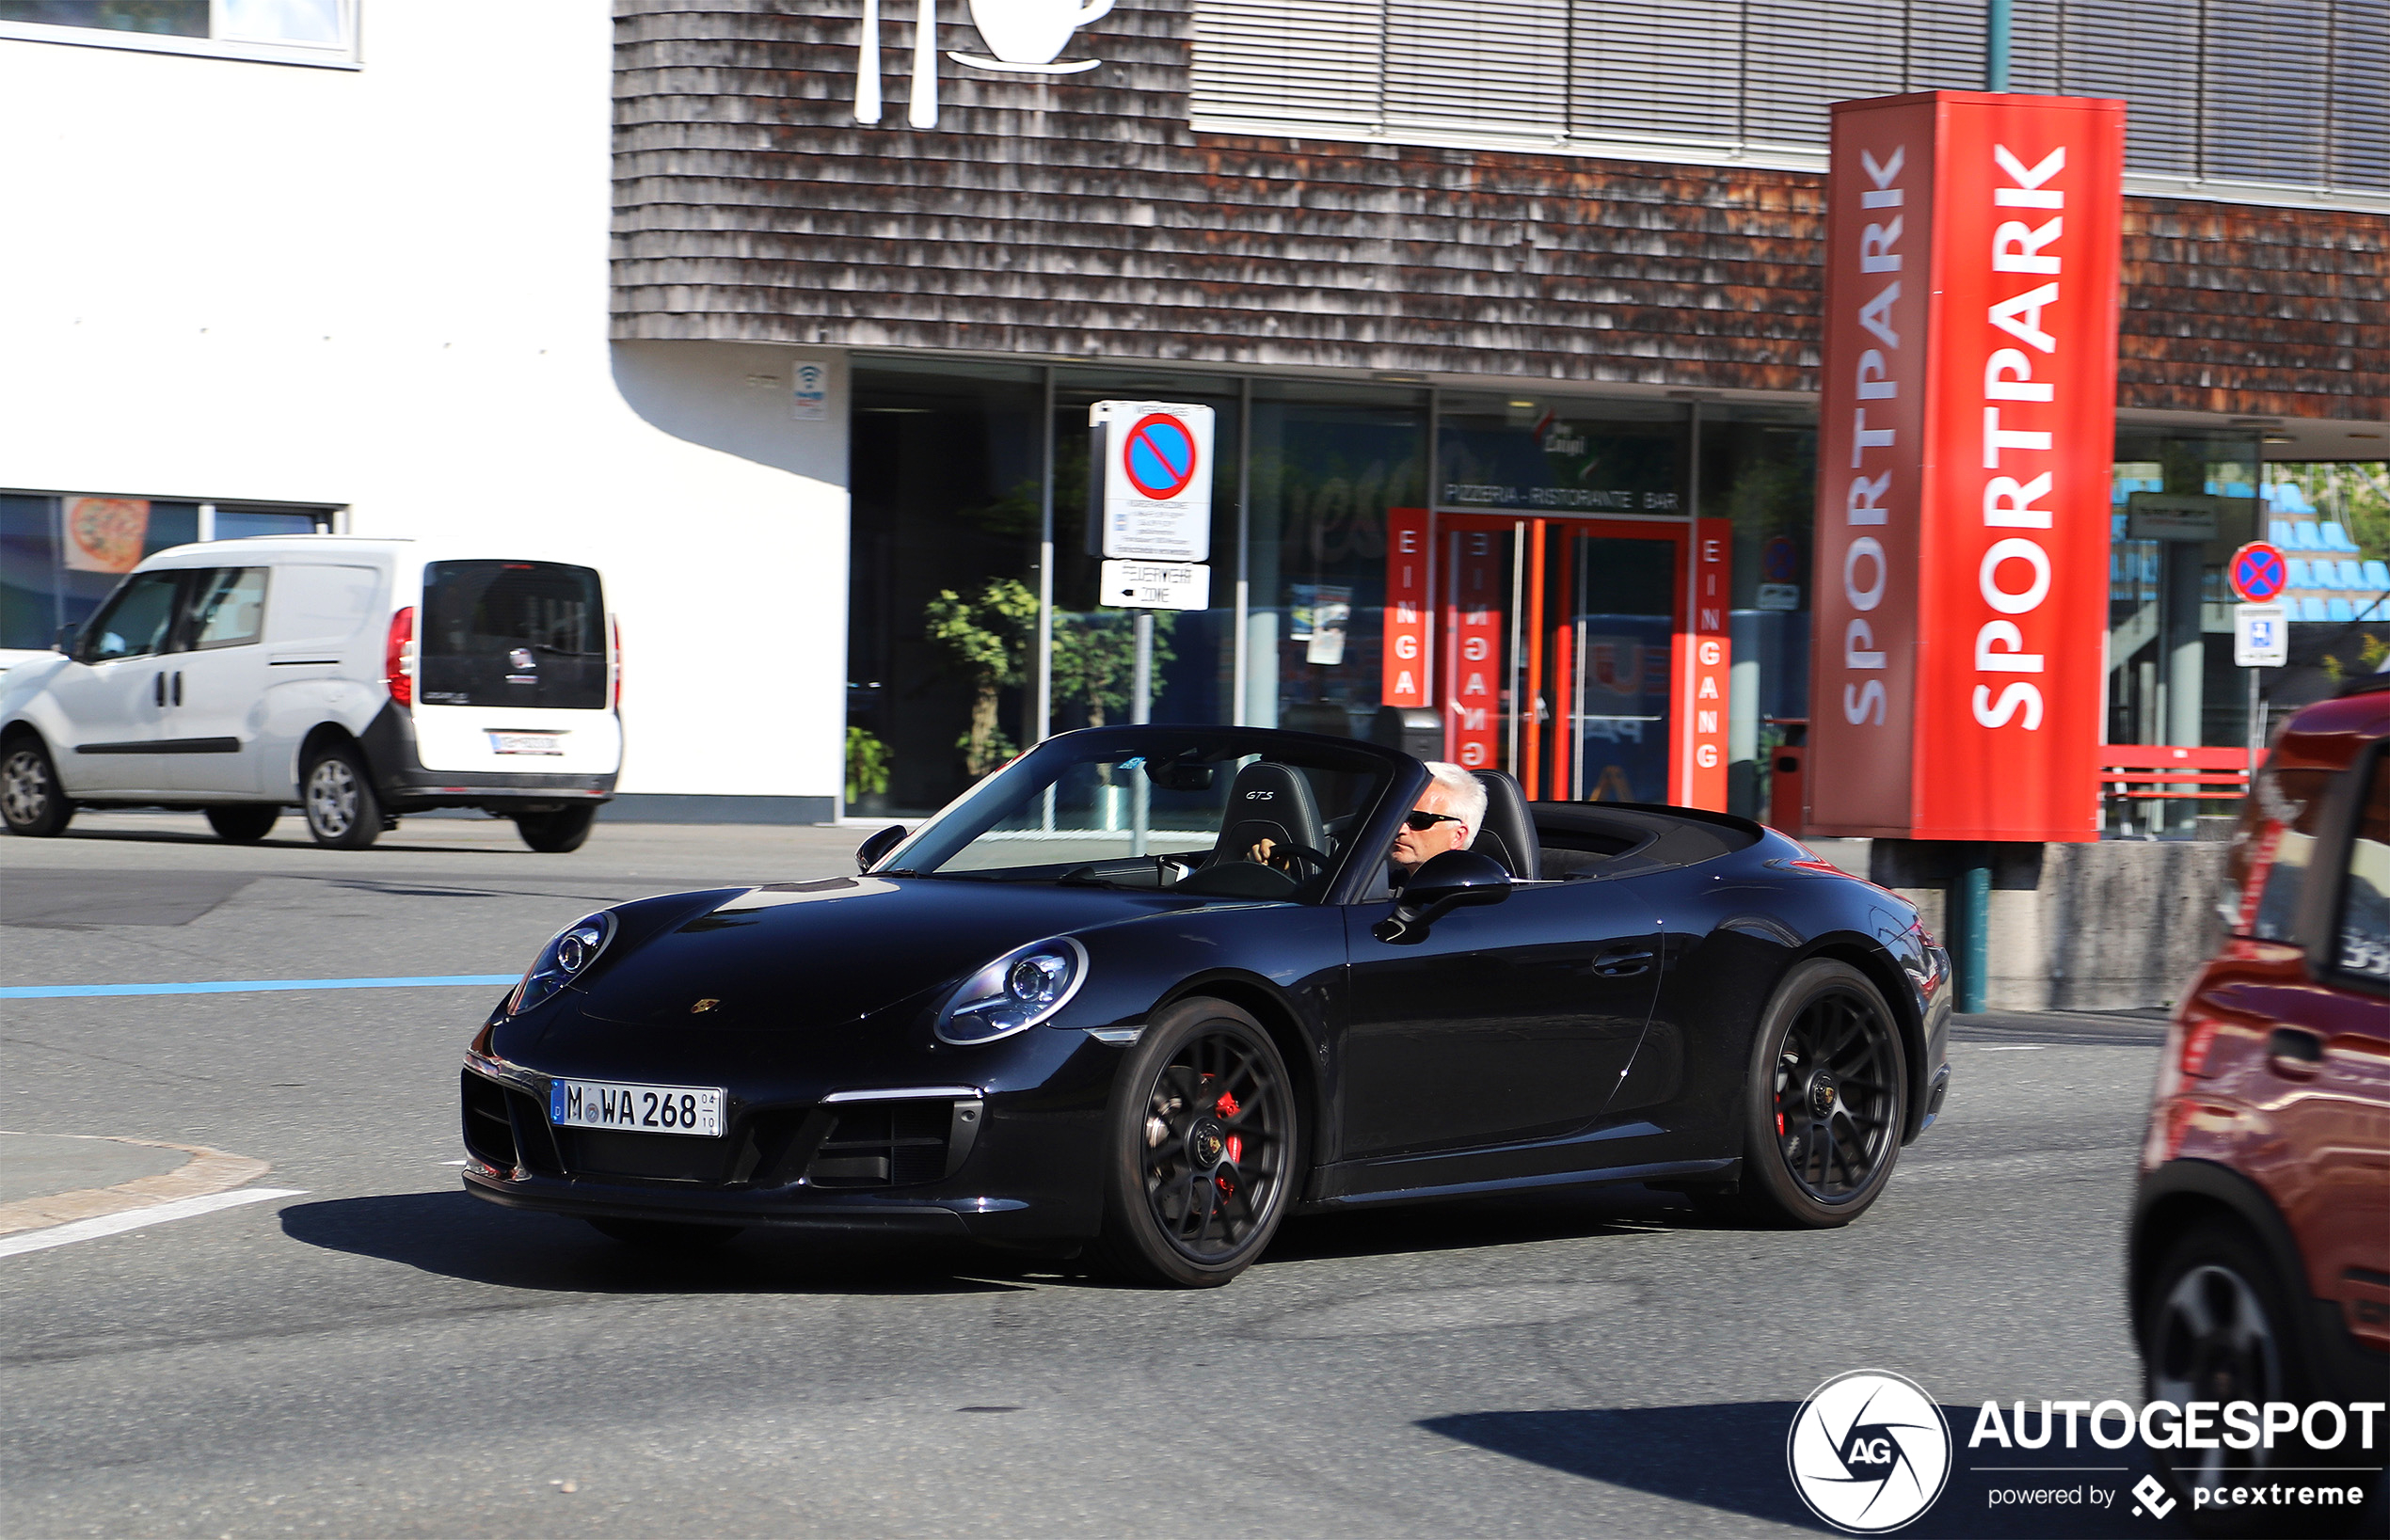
(387, 289)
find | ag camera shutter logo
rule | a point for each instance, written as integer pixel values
(1869, 1451)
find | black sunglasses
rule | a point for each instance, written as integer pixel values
(1420, 822)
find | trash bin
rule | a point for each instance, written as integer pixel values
(1787, 772)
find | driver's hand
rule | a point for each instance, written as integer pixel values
(1263, 851)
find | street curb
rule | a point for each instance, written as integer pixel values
(207, 1172)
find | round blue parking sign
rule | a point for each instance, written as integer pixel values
(1160, 456)
(2258, 572)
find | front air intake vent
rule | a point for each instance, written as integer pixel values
(490, 1133)
(893, 1143)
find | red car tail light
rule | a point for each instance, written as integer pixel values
(398, 657)
(618, 665)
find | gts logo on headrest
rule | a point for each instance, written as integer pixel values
(1259, 796)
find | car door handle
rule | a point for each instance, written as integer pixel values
(177, 686)
(1624, 962)
(2294, 1054)
(158, 680)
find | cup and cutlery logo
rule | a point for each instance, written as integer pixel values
(1869, 1451)
(1022, 37)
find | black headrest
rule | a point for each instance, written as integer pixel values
(1509, 835)
(1269, 801)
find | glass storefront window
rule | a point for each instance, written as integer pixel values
(1501, 451)
(60, 556)
(1094, 655)
(946, 479)
(1759, 471)
(1327, 462)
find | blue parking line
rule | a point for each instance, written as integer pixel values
(246, 986)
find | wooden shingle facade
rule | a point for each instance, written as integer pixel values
(1083, 216)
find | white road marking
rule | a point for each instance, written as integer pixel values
(2010, 1047)
(116, 1224)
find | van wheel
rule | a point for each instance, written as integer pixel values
(338, 797)
(31, 799)
(566, 828)
(242, 825)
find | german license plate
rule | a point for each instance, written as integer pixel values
(547, 743)
(636, 1109)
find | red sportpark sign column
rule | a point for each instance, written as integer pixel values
(1967, 426)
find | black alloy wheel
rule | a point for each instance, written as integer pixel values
(31, 800)
(1826, 1101)
(667, 1234)
(336, 794)
(1204, 1148)
(243, 823)
(555, 834)
(2215, 1327)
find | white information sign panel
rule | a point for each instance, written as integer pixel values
(1157, 585)
(1158, 479)
(2260, 636)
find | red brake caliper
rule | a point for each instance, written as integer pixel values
(1227, 1107)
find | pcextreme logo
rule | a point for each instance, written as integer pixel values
(1869, 1451)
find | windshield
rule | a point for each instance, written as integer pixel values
(1219, 812)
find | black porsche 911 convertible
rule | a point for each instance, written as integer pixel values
(1153, 987)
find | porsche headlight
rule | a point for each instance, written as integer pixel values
(565, 958)
(1017, 990)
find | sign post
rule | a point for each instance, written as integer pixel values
(2260, 628)
(1151, 524)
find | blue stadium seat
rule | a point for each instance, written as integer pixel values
(2279, 532)
(2301, 575)
(2352, 575)
(2305, 536)
(2378, 576)
(2339, 610)
(2336, 538)
(2311, 608)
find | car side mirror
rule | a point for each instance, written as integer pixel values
(867, 854)
(64, 640)
(1455, 880)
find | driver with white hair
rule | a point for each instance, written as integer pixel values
(1447, 817)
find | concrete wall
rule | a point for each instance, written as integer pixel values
(2113, 926)
(386, 290)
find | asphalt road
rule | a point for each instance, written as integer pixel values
(383, 1356)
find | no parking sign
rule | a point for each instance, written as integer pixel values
(1157, 479)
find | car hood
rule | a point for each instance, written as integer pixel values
(800, 955)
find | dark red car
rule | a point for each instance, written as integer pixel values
(2259, 1261)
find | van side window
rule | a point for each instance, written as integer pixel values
(320, 605)
(2364, 898)
(135, 622)
(228, 607)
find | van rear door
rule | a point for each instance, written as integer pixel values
(512, 672)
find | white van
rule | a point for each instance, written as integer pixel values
(359, 679)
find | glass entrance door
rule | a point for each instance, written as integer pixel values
(1558, 648)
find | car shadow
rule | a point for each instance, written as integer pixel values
(1508, 1219)
(1730, 1456)
(456, 1235)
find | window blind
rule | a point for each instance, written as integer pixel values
(1302, 60)
(1800, 55)
(1499, 65)
(2148, 55)
(1656, 69)
(2262, 109)
(2357, 123)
